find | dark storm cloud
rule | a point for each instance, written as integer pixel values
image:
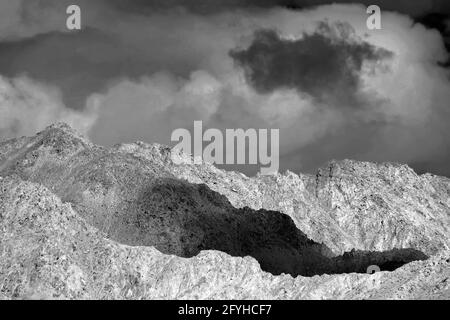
(323, 64)
(441, 22)
(411, 7)
(76, 62)
(84, 62)
(198, 6)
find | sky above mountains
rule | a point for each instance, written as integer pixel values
(140, 69)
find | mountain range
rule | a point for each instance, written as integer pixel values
(81, 221)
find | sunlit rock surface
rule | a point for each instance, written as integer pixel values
(81, 221)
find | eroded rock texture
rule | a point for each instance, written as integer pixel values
(81, 221)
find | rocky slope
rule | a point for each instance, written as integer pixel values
(81, 221)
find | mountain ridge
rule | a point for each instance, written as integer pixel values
(135, 195)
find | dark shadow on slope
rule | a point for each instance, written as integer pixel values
(359, 261)
(183, 219)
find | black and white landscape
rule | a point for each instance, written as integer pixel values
(96, 202)
(81, 221)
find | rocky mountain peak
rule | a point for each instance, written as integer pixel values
(128, 199)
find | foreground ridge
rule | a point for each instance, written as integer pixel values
(50, 252)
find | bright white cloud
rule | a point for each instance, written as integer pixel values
(27, 107)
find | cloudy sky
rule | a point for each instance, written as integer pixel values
(139, 69)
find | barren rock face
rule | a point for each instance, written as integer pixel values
(81, 221)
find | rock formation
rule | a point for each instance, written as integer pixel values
(82, 221)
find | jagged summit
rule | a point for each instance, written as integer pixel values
(296, 224)
(63, 131)
(61, 126)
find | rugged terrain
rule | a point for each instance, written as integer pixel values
(82, 221)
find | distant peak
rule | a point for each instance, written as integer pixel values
(364, 168)
(63, 131)
(62, 126)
